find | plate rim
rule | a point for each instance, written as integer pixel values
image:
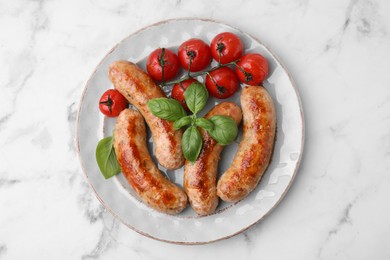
(283, 194)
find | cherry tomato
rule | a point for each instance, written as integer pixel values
(162, 64)
(252, 69)
(194, 55)
(223, 82)
(226, 47)
(178, 91)
(112, 103)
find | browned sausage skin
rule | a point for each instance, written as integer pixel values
(139, 169)
(255, 149)
(138, 88)
(200, 177)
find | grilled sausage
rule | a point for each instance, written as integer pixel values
(138, 88)
(200, 178)
(255, 149)
(139, 169)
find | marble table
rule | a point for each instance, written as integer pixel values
(338, 53)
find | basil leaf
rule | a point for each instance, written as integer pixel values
(186, 120)
(225, 129)
(205, 124)
(106, 158)
(191, 143)
(166, 108)
(196, 97)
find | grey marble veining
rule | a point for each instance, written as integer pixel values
(338, 52)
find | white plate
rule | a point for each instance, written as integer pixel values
(187, 228)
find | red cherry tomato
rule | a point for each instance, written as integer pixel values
(112, 103)
(178, 91)
(226, 47)
(162, 64)
(252, 69)
(223, 82)
(194, 55)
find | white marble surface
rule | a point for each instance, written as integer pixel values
(339, 55)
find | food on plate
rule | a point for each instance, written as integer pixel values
(138, 88)
(178, 135)
(138, 168)
(162, 64)
(112, 103)
(255, 149)
(252, 69)
(226, 47)
(194, 55)
(200, 178)
(178, 91)
(222, 82)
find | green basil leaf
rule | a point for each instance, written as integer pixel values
(196, 97)
(191, 143)
(225, 129)
(106, 158)
(205, 124)
(186, 120)
(166, 108)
